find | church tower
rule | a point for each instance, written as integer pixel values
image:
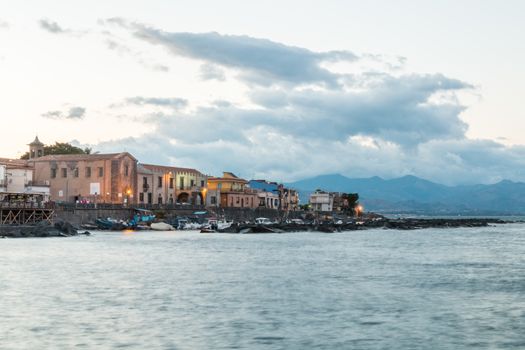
(36, 149)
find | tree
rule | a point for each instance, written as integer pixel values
(351, 201)
(61, 148)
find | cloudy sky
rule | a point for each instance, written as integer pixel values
(277, 89)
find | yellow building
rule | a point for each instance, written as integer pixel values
(231, 191)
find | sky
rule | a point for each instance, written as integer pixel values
(282, 90)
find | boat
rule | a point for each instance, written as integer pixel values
(263, 221)
(112, 224)
(142, 216)
(161, 226)
(207, 230)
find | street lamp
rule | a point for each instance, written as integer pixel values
(204, 191)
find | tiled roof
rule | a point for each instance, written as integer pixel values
(142, 170)
(80, 157)
(14, 162)
(165, 168)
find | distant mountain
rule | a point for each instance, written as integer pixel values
(416, 195)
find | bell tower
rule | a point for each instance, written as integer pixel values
(36, 149)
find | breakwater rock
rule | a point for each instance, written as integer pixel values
(398, 224)
(42, 229)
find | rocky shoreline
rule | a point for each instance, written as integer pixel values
(396, 224)
(42, 229)
(65, 229)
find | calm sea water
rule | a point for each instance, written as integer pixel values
(376, 289)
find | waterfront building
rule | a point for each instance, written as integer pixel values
(289, 199)
(145, 185)
(267, 192)
(95, 178)
(17, 183)
(230, 191)
(322, 201)
(159, 184)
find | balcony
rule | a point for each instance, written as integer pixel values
(190, 188)
(37, 183)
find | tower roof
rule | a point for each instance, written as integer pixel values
(36, 142)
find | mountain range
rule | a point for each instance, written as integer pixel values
(411, 194)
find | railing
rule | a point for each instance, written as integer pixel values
(24, 205)
(37, 183)
(71, 206)
(189, 188)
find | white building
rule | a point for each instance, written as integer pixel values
(322, 201)
(17, 185)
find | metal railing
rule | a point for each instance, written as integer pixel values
(71, 206)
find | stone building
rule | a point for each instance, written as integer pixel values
(159, 184)
(231, 191)
(100, 178)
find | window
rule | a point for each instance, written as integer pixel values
(171, 182)
(159, 185)
(181, 183)
(144, 180)
(192, 183)
(150, 197)
(100, 172)
(126, 170)
(75, 172)
(64, 172)
(202, 183)
(53, 173)
(141, 197)
(88, 171)
(213, 200)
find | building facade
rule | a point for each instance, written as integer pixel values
(96, 178)
(268, 193)
(321, 201)
(171, 185)
(17, 184)
(289, 199)
(230, 191)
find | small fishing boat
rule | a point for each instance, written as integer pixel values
(161, 226)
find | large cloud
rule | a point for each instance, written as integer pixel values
(260, 61)
(304, 119)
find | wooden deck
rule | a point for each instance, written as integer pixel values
(25, 216)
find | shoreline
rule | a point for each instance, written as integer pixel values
(65, 229)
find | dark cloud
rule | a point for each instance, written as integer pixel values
(396, 110)
(74, 113)
(51, 26)
(260, 61)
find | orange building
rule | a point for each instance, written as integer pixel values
(231, 191)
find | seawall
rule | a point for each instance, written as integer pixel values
(78, 216)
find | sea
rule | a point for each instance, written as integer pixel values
(375, 289)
